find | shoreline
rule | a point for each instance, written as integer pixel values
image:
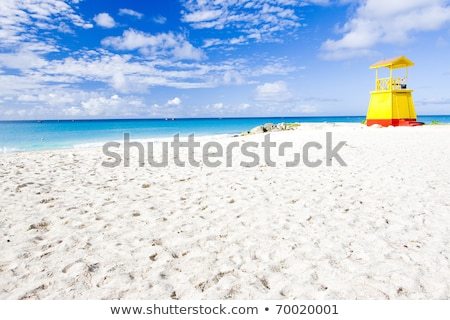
(376, 228)
(30, 136)
(200, 137)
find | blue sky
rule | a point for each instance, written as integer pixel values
(76, 59)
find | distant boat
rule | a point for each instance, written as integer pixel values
(39, 121)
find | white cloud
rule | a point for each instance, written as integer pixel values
(275, 91)
(104, 20)
(277, 65)
(305, 109)
(133, 39)
(386, 21)
(218, 106)
(241, 40)
(221, 109)
(120, 83)
(174, 102)
(160, 19)
(130, 12)
(88, 82)
(24, 20)
(202, 16)
(185, 50)
(60, 102)
(97, 106)
(261, 21)
(233, 77)
(113, 106)
(244, 106)
(123, 74)
(163, 44)
(72, 111)
(318, 2)
(23, 59)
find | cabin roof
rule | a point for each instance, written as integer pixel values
(394, 63)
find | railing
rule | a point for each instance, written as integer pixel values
(390, 84)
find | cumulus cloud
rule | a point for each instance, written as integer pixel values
(112, 106)
(218, 106)
(23, 59)
(385, 21)
(123, 74)
(97, 106)
(275, 91)
(163, 44)
(174, 102)
(61, 102)
(97, 82)
(104, 20)
(72, 111)
(120, 83)
(87, 82)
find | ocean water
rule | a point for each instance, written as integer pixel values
(16, 136)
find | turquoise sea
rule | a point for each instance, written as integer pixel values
(16, 136)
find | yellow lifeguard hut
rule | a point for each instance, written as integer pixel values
(391, 103)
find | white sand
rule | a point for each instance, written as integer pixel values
(378, 228)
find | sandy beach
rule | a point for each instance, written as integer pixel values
(377, 228)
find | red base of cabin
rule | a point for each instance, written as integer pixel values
(394, 122)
